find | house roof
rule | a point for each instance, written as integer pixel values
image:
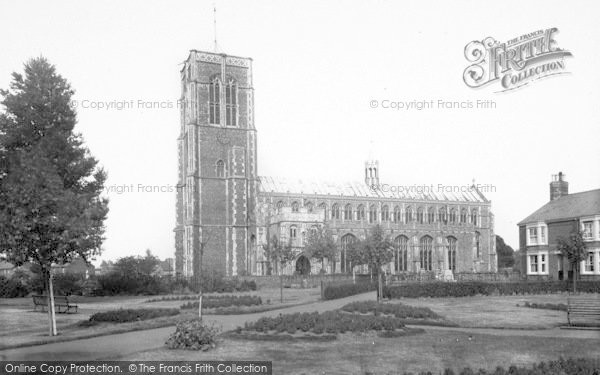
(569, 206)
(360, 189)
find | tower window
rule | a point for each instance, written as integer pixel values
(474, 217)
(214, 101)
(220, 169)
(231, 103)
(477, 245)
(293, 232)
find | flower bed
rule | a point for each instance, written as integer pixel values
(215, 302)
(345, 290)
(473, 288)
(131, 315)
(396, 309)
(193, 335)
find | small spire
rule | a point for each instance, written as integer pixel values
(215, 26)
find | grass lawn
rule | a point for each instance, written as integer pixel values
(359, 354)
(495, 311)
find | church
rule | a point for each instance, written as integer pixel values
(227, 212)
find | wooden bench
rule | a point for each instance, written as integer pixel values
(584, 311)
(61, 303)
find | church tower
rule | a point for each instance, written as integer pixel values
(372, 173)
(217, 183)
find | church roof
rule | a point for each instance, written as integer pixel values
(360, 189)
(569, 206)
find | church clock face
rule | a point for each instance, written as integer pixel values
(222, 138)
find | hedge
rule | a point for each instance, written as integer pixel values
(212, 302)
(473, 288)
(131, 315)
(345, 290)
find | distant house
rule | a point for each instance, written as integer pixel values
(564, 214)
(6, 269)
(76, 266)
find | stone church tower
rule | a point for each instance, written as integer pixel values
(217, 183)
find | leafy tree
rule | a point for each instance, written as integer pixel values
(575, 250)
(375, 251)
(281, 253)
(505, 253)
(320, 245)
(50, 205)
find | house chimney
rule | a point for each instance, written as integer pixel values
(558, 186)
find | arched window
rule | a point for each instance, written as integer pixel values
(397, 215)
(360, 212)
(335, 212)
(477, 245)
(231, 103)
(431, 215)
(214, 101)
(279, 206)
(348, 212)
(420, 215)
(347, 240)
(442, 216)
(474, 216)
(401, 254)
(293, 232)
(385, 213)
(451, 253)
(463, 216)
(323, 206)
(295, 207)
(408, 215)
(309, 207)
(452, 215)
(372, 214)
(426, 253)
(220, 168)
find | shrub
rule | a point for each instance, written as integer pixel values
(12, 288)
(345, 290)
(472, 288)
(212, 302)
(193, 335)
(546, 306)
(131, 315)
(67, 284)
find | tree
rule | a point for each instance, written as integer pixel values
(50, 205)
(505, 253)
(575, 250)
(376, 251)
(198, 268)
(320, 245)
(280, 253)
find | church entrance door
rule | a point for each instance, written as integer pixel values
(303, 265)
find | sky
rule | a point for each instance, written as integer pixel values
(323, 73)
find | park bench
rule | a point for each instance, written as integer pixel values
(61, 303)
(584, 311)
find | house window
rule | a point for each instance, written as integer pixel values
(474, 217)
(385, 213)
(295, 207)
(533, 236)
(420, 216)
(589, 263)
(220, 168)
(426, 253)
(360, 212)
(372, 214)
(293, 232)
(401, 254)
(533, 264)
(543, 263)
(430, 215)
(214, 101)
(348, 212)
(453, 216)
(587, 229)
(335, 212)
(452, 253)
(231, 103)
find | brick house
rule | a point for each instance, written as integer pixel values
(564, 214)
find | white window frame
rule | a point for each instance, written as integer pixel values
(595, 262)
(541, 237)
(541, 263)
